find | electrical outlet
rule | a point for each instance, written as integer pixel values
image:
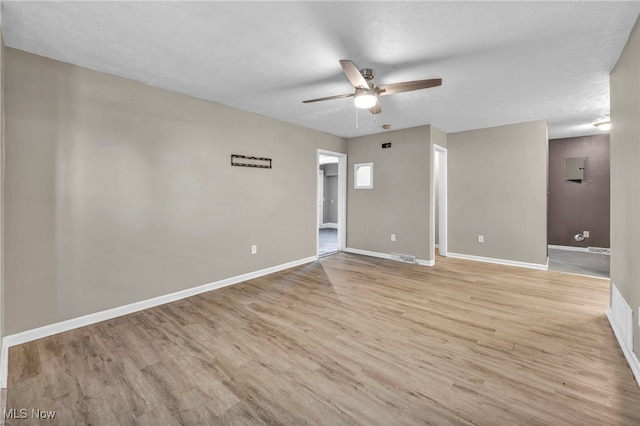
(481, 238)
(585, 234)
(393, 237)
(254, 249)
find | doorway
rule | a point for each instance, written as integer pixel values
(331, 202)
(439, 212)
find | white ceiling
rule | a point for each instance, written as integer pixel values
(501, 62)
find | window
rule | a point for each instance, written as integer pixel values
(363, 176)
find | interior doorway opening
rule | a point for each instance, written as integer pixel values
(331, 202)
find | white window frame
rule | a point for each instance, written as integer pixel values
(356, 167)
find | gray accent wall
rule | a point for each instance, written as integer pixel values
(399, 202)
(118, 192)
(625, 177)
(497, 187)
(578, 206)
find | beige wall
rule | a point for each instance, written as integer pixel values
(497, 187)
(399, 202)
(625, 176)
(118, 192)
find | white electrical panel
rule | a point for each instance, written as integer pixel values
(575, 168)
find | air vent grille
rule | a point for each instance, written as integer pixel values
(406, 258)
(600, 250)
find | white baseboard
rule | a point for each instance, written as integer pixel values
(368, 253)
(329, 225)
(569, 248)
(506, 262)
(4, 365)
(600, 250)
(631, 358)
(59, 327)
(385, 256)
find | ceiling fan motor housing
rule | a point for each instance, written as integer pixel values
(368, 73)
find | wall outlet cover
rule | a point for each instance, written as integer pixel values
(585, 234)
(481, 238)
(393, 237)
(254, 249)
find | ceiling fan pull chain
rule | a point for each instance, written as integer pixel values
(357, 119)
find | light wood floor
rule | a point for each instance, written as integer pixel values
(346, 340)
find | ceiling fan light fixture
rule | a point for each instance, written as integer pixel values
(364, 98)
(604, 125)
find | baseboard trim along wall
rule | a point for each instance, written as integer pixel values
(60, 327)
(539, 266)
(620, 317)
(568, 248)
(599, 250)
(384, 256)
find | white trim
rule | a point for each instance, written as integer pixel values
(631, 358)
(320, 198)
(384, 256)
(568, 248)
(4, 365)
(329, 225)
(500, 261)
(59, 327)
(367, 253)
(442, 202)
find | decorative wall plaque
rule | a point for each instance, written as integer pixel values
(246, 161)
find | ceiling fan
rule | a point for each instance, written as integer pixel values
(366, 94)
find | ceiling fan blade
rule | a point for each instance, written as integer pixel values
(376, 109)
(328, 98)
(353, 74)
(407, 86)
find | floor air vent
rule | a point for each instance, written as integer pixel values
(403, 258)
(600, 250)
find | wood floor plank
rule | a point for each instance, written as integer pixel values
(345, 340)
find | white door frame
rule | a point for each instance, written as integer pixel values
(320, 198)
(442, 202)
(342, 196)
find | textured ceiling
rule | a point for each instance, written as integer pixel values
(501, 62)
